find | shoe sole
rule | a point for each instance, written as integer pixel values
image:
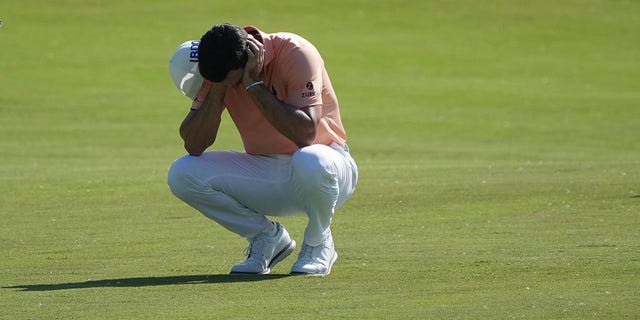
(284, 253)
(333, 260)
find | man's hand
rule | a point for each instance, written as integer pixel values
(218, 90)
(255, 61)
(202, 94)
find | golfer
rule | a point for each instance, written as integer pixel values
(296, 160)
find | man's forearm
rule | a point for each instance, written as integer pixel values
(297, 124)
(200, 127)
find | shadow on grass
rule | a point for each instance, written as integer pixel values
(148, 282)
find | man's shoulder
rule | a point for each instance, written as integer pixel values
(285, 35)
(288, 39)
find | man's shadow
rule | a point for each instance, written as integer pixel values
(148, 282)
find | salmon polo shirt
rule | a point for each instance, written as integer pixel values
(293, 71)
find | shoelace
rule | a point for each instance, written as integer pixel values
(261, 240)
(256, 243)
(247, 251)
(306, 251)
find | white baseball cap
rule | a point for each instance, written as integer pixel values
(183, 67)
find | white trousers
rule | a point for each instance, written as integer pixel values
(238, 190)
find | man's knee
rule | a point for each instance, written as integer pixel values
(179, 178)
(313, 162)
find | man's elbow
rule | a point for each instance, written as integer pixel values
(307, 138)
(196, 147)
(194, 150)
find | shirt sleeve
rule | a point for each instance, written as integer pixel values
(303, 74)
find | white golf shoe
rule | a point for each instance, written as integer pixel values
(316, 261)
(265, 251)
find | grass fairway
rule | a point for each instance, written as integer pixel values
(498, 146)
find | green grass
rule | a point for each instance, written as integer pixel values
(497, 144)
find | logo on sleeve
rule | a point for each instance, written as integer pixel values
(311, 93)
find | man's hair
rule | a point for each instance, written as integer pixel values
(222, 49)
